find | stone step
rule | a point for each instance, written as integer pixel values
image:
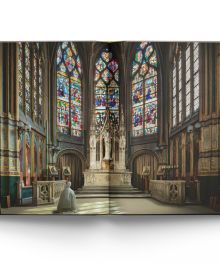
(110, 192)
(93, 195)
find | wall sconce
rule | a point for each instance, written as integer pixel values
(197, 125)
(189, 128)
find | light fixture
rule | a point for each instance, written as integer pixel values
(189, 129)
(197, 125)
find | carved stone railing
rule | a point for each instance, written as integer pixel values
(46, 192)
(172, 192)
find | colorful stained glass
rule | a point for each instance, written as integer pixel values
(113, 98)
(148, 52)
(30, 80)
(135, 67)
(106, 55)
(153, 59)
(100, 83)
(69, 92)
(144, 90)
(137, 78)
(150, 113)
(144, 68)
(40, 100)
(63, 88)
(106, 88)
(137, 121)
(75, 92)
(97, 75)
(74, 50)
(143, 45)
(113, 65)
(20, 75)
(137, 93)
(117, 75)
(113, 84)
(35, 77)
(100, 65)
(69, 61)
(107, 75)
(27, 79)
(78, 64)
(59, 55)
(138, 56)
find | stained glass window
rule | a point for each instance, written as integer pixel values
(106, 88)
(27, 79)
(69, 90)
(180, 86)
(21, 75)
(40, 90)
(35, 84)
(174, 98)
(144, 90)
(188, 80)
(30, 80)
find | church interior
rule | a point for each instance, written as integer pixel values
(134, 126)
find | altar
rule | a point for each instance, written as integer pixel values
(107, 154)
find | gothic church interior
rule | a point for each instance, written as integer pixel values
(133, 125)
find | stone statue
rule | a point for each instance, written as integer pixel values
(107, 145)
(92, 144)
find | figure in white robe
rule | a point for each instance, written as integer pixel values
(67, 201)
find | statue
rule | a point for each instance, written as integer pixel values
(107, 145)
(92, 142)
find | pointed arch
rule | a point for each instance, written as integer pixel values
(106, 87)
(145, 90)
(69, 90)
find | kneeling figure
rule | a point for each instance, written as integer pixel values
(67, 201)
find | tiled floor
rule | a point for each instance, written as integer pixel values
(94, 206)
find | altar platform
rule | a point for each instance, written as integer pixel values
(106, 178)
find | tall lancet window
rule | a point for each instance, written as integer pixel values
(196, 76)
(30, 80)
(177, 85)
(27, 78)
(185, 77)
(106, 88)
(144, 90)
(174, 94)
(69, 90)
(188, 80)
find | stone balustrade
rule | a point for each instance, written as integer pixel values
(46, 192)
(168, 191)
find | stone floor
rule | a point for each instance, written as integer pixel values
(114, 206)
